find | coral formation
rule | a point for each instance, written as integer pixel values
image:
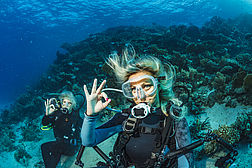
(8, 138)
(238, 78)
(247, 84)
(157, 51)
(197, 128)
(213, 61)
(22, 156)
(229, 134)
(31, 131)
(219, 81)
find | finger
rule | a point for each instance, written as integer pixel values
(52, 106)
(47, 102)
(94, 86)
(105, 104)
(103, 95)
(100, 87)
(86, 91)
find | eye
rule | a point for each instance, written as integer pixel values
(133, 88)
(147, 86)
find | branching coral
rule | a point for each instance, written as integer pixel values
(180, 60)
(157, 51)
(244, 58)
(195, 48)
(219, 81)
(196, 129)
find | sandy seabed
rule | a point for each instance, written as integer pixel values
(218, 114)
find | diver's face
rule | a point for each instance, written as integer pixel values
(66, 104)
(146, 86)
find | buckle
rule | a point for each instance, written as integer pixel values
(129, 125)
(73, 141)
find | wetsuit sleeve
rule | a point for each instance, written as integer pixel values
(183, 138)
(91, 136)
(46, 120)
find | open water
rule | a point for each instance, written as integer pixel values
(31, 31)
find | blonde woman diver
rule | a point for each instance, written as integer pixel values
(61, 115)
(149, 127)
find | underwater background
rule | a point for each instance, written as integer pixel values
(31, 30)
(51, 45)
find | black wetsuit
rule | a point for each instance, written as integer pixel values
(138, 150)
(66, 128)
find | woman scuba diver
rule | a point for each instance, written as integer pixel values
(64, 118)
(153, 125)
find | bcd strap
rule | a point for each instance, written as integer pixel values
(127, 111)
(164, 139)
(123, 139)
(148, 130)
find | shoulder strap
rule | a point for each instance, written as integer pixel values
(164, 140)
(167, 129)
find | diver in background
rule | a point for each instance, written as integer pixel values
(66, 124)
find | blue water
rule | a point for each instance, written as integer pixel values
(31, 31)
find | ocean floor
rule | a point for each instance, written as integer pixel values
(218, 114)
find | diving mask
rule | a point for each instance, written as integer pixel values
(66, 105)
(140, 87)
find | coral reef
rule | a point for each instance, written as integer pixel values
(247, 83)
(8, 138)
(31, 131)
(240, 129)
(197, 128)
(243, 123)
(229, 134)
(22, 156)
(219, 81)
(207, 56)
(213, 61)
(157, 51)
(238, 78)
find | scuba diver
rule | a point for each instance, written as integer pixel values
(152, 126)
(62, 116)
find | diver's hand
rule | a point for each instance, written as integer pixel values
(50, 108)
(94, 100)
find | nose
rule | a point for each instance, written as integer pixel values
(65, 104)
(140, 94)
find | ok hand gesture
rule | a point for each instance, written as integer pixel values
(50, 107)
(94, 100)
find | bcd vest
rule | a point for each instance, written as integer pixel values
(148, 138)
